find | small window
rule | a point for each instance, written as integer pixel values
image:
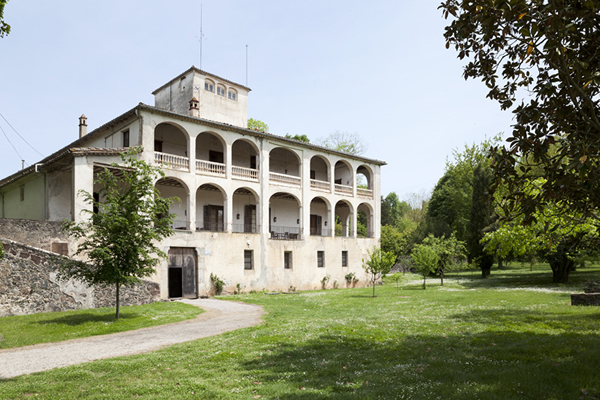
(344, 258)
(248, 259)
(221, 90)
(320, 259)
(209, 86)
(287, 260)
(126, 138)
(231, 95)
(22, 192)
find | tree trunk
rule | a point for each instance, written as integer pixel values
(561, 266)
(373, 288)
(118, 301)
(442, 276)
(500, 263)
(424, 278)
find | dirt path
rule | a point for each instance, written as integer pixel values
(220, 316)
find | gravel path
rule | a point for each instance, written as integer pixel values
(220, 316)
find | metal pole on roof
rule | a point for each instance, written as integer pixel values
(246, 65)
(201, 36)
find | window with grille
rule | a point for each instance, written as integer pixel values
(248, 259)
(344, 258)
(287, 260)
(320, 259)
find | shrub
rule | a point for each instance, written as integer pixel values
(217, 283)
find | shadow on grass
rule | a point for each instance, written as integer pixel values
(491, 365)
(80, 319)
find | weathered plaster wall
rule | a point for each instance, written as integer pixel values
(39, 234)
(59, 195)
(31, 206)
(28, 285)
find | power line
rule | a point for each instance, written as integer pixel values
(19, 136)
(11, 143)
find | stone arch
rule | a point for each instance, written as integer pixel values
(285, 216)
(343, 218)
(173, 187)
(320, 216)
(210, 208)
(343, 178)
(246, 210)
(282, 162)
(320, 168)
(245, 160)
(366, 172)
(364, 218)
(171, 143)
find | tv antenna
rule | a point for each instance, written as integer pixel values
(201, 36)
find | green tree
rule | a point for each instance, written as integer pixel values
(556, 236)
(450, 251)
(301, 138)
(394, 241)
(449, 209)
(378, 264)
(120, 240)
(481, 219)
(538, 59)
(257, 125)
(392, 209)
(425, 259)
(346, 142)
(4, 27)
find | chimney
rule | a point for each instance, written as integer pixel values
(194, 110)
(82, 126)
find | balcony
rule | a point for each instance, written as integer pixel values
(320, 232)
(343, 189)
(172, 161)
(245, 174)
(210, 168)
(180, 225)
(364, 193)
(210, 226)
(286, 180)
(286, 233)
(320, 185)
(245, 228)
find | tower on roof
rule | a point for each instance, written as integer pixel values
(218, 99)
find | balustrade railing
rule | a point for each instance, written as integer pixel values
(180, 225)
(364, 193)
(343, 189)
(286, 233)
(210, 226)
(285, 179)
(245, 228)
(320, 185)
(172, 161)
(320, 232)
(244, 173)
(210, 168)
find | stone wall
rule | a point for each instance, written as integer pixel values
(28, 285)
(40, 234)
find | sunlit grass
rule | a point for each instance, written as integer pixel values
(471, 338)
(25, 330)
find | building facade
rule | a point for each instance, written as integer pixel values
(255, 209)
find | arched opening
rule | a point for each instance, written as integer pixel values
(319, 174)
(171, 187)
(284, 167)
(364, 221)
(245, 211)
(344, 180)
(319, 217)
(244, 160)
(284, 217)
(364, 182)
(171, 147)
(210, 210)
(343, 218)
(210, 155)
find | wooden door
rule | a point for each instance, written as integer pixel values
(182, 272)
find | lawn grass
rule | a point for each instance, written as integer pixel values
(24, 330)
(512, 336)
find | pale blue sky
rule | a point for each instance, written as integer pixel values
(378, 68)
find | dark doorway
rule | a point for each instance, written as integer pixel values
(182, 273)
(315, 225)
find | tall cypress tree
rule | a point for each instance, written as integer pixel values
(481, 217)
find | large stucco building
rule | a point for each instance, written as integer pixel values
(256, 209)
